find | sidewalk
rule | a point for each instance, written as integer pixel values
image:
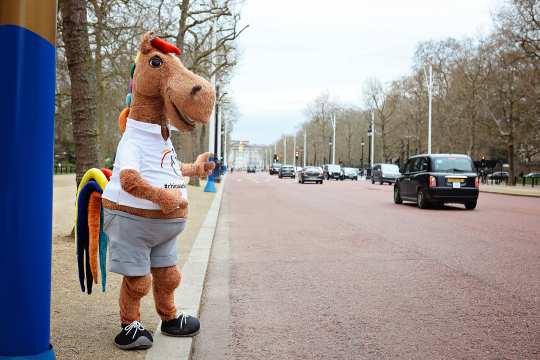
(83, 326)
(517, 190)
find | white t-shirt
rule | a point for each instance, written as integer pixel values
(142, 148)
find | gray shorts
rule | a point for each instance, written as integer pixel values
(137, 244)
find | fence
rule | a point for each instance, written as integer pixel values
(506, 180)
(64, 169)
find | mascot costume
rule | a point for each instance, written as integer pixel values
(138, 210)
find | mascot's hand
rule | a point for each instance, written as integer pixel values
(170, 200)
(207, 165)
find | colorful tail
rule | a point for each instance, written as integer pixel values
(89, 235)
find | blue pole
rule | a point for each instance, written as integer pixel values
(210, 183)
(27, 86)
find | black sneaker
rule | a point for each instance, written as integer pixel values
(134, 337)
(183, 326)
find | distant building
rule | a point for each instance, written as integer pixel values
(242, 154)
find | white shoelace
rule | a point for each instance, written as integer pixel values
(134, 325)
(183, 319)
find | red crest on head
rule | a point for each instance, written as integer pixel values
(165, 46)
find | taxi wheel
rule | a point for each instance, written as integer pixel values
(421, 200)
(470, 205)
(397, 196)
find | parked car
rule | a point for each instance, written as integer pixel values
(274, 169)
(438, 179)
(499, 175)
(311, 173)
(384, 173)
(251, 169)
(333, 171)
(533, 175)
(350, 173)
(286, 171)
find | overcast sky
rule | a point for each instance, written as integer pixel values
(295, 50)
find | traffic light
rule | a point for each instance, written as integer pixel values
(296, 155)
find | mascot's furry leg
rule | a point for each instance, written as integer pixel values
(165, 281)
(133, 289)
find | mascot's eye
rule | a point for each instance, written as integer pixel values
(156, 61)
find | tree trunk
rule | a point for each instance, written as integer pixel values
(100, 90)
(184, 9)
(82, 77)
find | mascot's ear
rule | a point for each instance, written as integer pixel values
(146, 42)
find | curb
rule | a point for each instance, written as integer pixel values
(503, 192)
(188, 294)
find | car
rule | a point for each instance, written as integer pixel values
(384, 173)
(533, 175)
(311, 173)
(333, 171)
(350, 173)
(274, 169)
(251, 169)
(499, 175)
(438, 179)
(286, 171)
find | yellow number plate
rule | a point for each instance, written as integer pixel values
(453, 180)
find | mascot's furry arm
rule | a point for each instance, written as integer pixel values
(167, 199)
(201, 166)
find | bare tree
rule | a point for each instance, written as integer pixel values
(82, 77)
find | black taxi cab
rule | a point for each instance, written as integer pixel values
(437, 179)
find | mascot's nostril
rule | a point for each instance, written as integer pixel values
(196, 89)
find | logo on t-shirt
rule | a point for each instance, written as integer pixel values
(169, 155)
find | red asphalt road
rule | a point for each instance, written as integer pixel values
(338, 271)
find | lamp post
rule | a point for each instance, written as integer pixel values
(329, 149)
(334, 139)
(429, 83)
(305, 146)
(285, 150)
(213, 145)
(294, 150)
(369, 144)
(362, 156)
(371, 134)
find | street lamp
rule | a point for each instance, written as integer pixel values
(369, 143)
(334, 139)
(429, 83)
(371, 133)
(305, 148)
(362, 157)
(329, 149)
(285, 150)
